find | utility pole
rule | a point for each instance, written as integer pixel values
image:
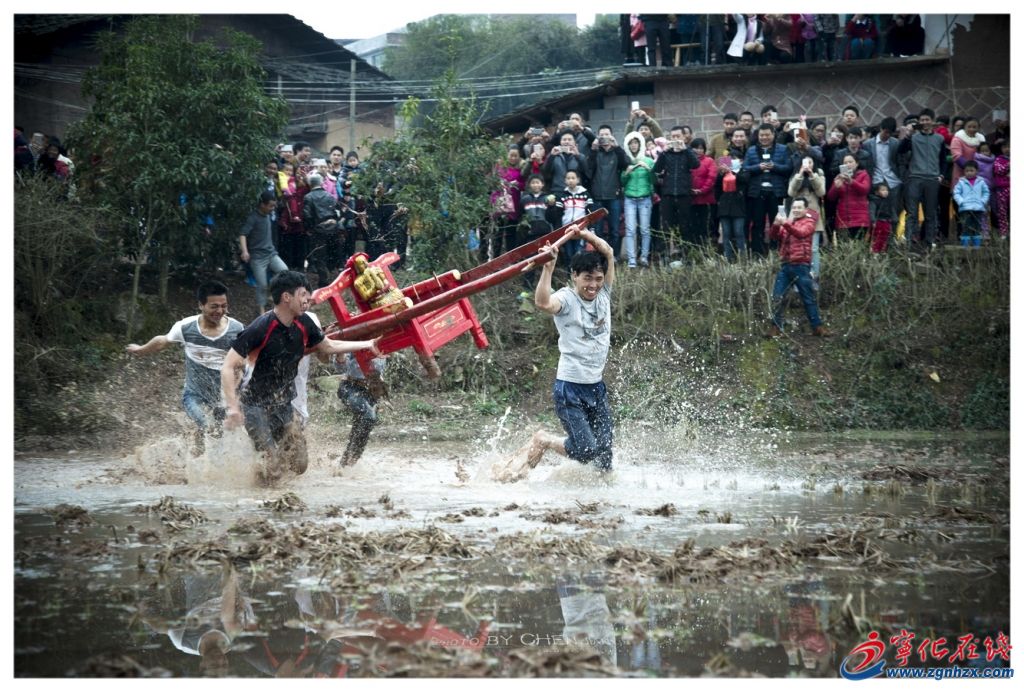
(352, 107)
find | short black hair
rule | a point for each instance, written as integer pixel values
(267, 196)
(855, 131)
(676, 127)
(888, 123)
(588, 261)
(971, 164)
(766, 126)
(352, 155)
(299, 146)
(853, 108)
(731, 116)
(535, 176)
(287, 282)
(210, 288)
(927, 111)
(801, 198)
(605, 126)
(699, 143)
(879, 186)
(768, 109)
(746, 113)
(336, 147)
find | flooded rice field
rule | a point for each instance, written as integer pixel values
(766, 555)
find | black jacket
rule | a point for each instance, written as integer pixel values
(319, 210)
(673, 170)
(603, 169)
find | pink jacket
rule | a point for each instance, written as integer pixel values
(962, 152)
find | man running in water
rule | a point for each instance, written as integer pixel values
(583, 316)
(273, 344)
(206, 338)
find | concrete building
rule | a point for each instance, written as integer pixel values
(966, 70)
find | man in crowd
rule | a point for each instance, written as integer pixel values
(769, 166)
(673, 167)
(206, 338)
(884, 149)
(605, 163)
(273, 344)
(927, 154)
(256, 246)
(320, 217)
(719, 144)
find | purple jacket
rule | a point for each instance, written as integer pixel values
(985, 165)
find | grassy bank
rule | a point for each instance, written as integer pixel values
(921, 342)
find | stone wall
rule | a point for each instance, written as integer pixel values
(880, 88)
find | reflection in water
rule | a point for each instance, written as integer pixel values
(507, 608)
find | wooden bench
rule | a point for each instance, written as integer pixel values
(678, 49)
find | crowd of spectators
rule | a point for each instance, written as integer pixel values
(667, 190)
(759, 39)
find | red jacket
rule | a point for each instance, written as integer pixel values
(703, 178)
(852, 209)
(795, 239)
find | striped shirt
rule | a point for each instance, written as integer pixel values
(204, 355)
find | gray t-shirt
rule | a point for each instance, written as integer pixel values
(584, 335)
(204, 355)
(259, 240)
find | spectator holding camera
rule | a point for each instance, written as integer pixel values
(606, 161)
(865, 162)
(769, 167)
(850, 192)
(730, 192)
(640, 122)
(674, 168)
(563, 158)
(584, 135)
(748, 43)
(809, 182)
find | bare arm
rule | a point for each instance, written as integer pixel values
(157, 343)
(233, 363)
(243, 248)
(329, 346)
(542, 297)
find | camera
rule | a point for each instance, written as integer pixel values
(536, 131)
(604, 139)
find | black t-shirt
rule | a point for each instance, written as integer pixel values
(274, 351)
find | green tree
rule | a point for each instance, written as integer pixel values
(476, 46)
(177, 136)
(442, 170)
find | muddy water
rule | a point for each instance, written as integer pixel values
(723, 557)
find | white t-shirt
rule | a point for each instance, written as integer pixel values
(584, 335)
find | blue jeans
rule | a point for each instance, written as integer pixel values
(608, 227)
(364, 417)
(734, 233)
(587, 419)
(196, 407)
(800, 274)
(259, 265)
(861, 48)
(638, 207)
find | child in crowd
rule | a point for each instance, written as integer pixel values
(882, 217)
(971, 195)
(575, 203)
(351, 166)
(986, 161)
(1001, 187)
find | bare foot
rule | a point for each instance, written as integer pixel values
(518, 466)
